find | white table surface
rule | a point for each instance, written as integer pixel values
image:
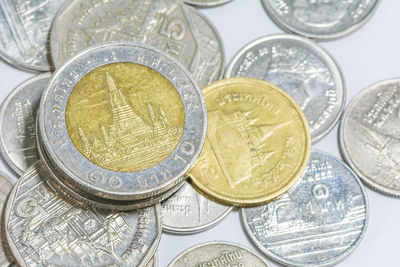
(369, 55)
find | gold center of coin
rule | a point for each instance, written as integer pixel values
(125, 117)
(257, 144)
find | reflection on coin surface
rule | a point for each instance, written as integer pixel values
(5, 188)
(218, 253)
(17, 120)
(317, 223)
(187, 212)
(257, 144)
(206, 3)
(322, 20)
(370, 136)
(44, 229)
(301, 68)
(130, 108)
(169, 25)
(24, 30)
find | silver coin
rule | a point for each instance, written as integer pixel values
(44, 229)
(177, 29)
(153, 262)
(321, 20)
(317, 223)
(24, 32)
(5, 189)
(17, 120)
(188, 212)
(370, 136)
(111, 184)
(301, 68)
(218, 253)
(206, 3)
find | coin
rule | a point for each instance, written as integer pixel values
(206, 3)
(24, 27)
(177, 29)
(320, 20)
(369, 136)
(5, 188)
(218, 253)
(107, 113)
(257, 144)
(188, 212)
(301, 68)
(317, 223)
(17, 120)
(153, 262)
(74, 235)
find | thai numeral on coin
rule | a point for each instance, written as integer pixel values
(99, 179)
(320, 191)
(175, 29)
(27, 207)
(187, 148)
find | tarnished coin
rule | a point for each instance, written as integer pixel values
(317, 223)
(5, 189)
(301, 68)
(370, 136)
(206, 3)
(17, 120)
(218, 253)
(257, 144)
(122, 122)
(321, 20)
(24, 30)
(169, 25)
(188, 212)
(43, 228)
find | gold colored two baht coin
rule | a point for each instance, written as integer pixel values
(258, 143)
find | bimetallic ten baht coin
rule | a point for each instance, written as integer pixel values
(188, 212)
(44, 228)
(317, 223)
(206, 3)
(24, 32)
(257, 146)
(173, 27)
(218, 253)
(301, 68)
(320, 20)
(370, 136)
(122, 122)
(5, 189)
(17, 120)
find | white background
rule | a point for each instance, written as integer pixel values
(369, 55)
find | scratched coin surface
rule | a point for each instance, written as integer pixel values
(169, 25)
(206, 3)
(370, 136)
(320, 19)
(303, 69)
(116, 108)
(188, 212)
(317, 223)
(5, 189)
(257, 144)
(17, 120)
(24, 32)
(43, 228)
(218, 253)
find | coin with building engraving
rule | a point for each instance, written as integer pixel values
(44, 228)
(188, 212)
(301, 68)
(5, 189)
(17, 120)
(218, 253)
(123, 122)
(170, 25)
(257, 145)
(320, 19)
(370, 136)
(24, 32)
(317, 223)
(206, 3)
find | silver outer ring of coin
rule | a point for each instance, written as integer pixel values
(189, 146)
(328, 263)
(3, 243)
(200, 3)
(6, 102)
(255, 254)
(317, 37)
(345, 154)
(170, 229)
(153, 260)
(326, 57)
